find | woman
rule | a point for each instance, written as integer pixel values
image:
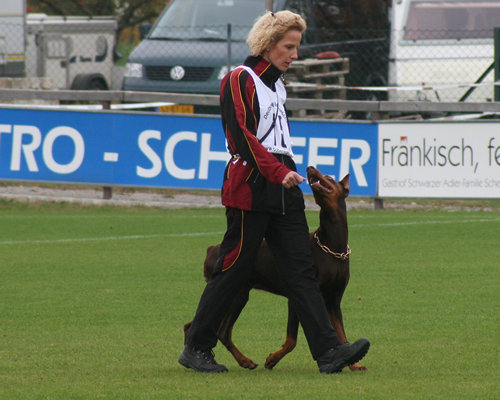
(263, 200)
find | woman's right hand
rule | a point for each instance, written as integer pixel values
(292, 179)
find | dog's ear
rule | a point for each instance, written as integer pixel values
(345, 184)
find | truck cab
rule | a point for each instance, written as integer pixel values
(12, 38)
(445, 46)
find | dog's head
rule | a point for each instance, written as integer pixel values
(328, 193)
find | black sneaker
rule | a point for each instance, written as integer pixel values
(334, 360)
(200, 361)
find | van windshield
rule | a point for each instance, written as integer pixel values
(452, 20)
(207, 19)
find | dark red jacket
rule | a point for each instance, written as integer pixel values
(252, 179)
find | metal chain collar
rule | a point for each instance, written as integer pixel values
(341, 256)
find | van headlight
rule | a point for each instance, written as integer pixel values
(223, 71)
(133, 70)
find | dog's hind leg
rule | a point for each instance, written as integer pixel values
(290, 341)
(225, 330)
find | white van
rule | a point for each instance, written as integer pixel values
(445, 45)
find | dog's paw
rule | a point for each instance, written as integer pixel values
(357, 367)
(271, 361)
(247, 363)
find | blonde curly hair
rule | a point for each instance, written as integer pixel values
(270, 28)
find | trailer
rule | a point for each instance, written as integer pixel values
(67, 52)
(73, 52)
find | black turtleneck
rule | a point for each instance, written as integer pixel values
(265, 70)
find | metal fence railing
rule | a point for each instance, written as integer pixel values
(405, 65)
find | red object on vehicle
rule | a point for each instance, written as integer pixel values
(328, 54)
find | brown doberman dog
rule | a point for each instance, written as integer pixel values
(331, 261)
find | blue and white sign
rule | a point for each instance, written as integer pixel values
(336, 149)
(155, 150)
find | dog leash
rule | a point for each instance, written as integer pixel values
(326, 249)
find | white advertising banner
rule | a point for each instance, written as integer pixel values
(439, 159)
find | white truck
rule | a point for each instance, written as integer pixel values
(12, 14)
(69, 52)
(445, 47)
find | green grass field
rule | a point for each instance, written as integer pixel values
(93, 301)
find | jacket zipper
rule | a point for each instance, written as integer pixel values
(282, 191)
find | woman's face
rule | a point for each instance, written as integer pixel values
(283, 52)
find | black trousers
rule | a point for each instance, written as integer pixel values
(288, 239)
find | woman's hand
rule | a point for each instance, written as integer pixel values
(292, 179)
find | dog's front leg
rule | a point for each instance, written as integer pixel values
(338, 325)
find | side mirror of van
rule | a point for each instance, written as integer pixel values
(144, 29)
